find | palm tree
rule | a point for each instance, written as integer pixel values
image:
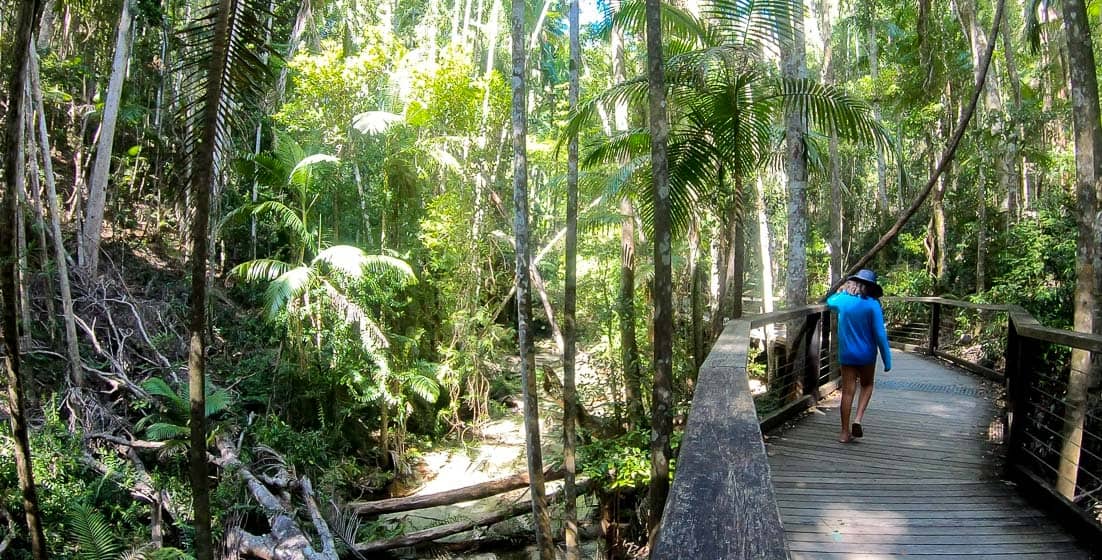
(29, 13)
(228, 69)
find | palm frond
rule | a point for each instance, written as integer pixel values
(421, 384)
(353, 262)
(92, 534)
(285, 217)
(287, 286)
(678, 24)
(371, 336)
(375, 122)
(300, 173)
(218, 400)
(752, 22)
(227, 67)
(829, 109)
(260, 269)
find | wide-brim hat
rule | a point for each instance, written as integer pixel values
(868, 277)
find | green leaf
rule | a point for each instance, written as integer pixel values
(92, 533)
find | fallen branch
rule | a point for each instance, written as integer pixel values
(132, 443)
(553, 386)
(417, 537)
(465, 494)
(11, 529)
(285, 541)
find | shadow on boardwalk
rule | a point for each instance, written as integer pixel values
(922, 482)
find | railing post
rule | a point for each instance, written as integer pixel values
(1017, 393)
(811, 355)
(825, 344)
(935, 328)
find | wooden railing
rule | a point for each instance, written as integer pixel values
(766, 369)
(721, 504)
(1054, 447)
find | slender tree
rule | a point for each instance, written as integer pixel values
(1088, 192)
(72, 348)
(629, 348)
(570, 332)
(228, 71)
(29, 13)
(662, 394)
(544, 540)
(88, 249)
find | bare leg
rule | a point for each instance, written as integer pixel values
(867, 375)
(849, 387)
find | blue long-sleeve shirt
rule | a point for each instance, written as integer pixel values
(860, 330)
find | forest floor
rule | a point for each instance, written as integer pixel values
(496, 450)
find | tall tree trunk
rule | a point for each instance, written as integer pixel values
(18, 184)
(874, 74)
(662, 395)
(72, 349)
(795, 66)
(629, 348)
(826, 30)
(569, 390)
(696, 277)
(88, 249)
(544, 539)
(29, 13)
(981, 231)
(1088, 192)
(1004, 161)
(764, 251)
(34, 192)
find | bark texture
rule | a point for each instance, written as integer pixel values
(1088, 192)
(662, 394)
(544, 540)
(29, 13)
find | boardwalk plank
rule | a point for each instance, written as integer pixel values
(921, 483)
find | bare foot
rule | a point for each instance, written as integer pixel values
(845, 438)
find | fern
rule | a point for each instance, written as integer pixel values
(92, 534)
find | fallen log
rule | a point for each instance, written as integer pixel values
(285, 541)
(449, 497)
(418, 537)
(552, 385)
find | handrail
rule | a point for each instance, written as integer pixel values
(721, 504)
(1046, 416)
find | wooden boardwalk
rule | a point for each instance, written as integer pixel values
(921, 483)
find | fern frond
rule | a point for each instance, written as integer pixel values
(375, 122)
(92, 534)
(164, 431)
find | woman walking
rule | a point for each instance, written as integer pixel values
(861, 334)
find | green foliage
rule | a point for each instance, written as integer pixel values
(92, 534)
(170, 422)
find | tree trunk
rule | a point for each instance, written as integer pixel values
(874, 74)
(795, 66)
(29, 13)
(696, 278)
(34, 192)
(76, 372)
(629, 349)
(981, 231)
(544, 540)
(763, 249)
(662, 395)
(570, 392)
(88, 249)
(1088, 192)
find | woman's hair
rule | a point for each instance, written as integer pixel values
(855, 288)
